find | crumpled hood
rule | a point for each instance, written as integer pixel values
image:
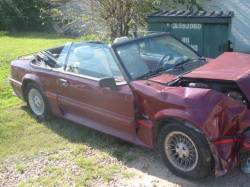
(229, 67)
(212, 113)
(208, 111)
(163, 78)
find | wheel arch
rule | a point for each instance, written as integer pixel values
(177, 116)
(178, 121)
(27, 79)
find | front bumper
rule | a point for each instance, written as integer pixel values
(229, 152)
(17, 87)
(245, 142)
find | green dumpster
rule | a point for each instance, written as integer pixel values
(206, 32)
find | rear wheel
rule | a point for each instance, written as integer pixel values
(185, 151)
(36, 101)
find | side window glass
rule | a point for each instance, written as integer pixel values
(133, 60)
(94, 60)
(59, 54)
(112, 64)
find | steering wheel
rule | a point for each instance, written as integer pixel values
(161, 62)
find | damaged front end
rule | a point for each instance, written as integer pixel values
(228, 126)
(218, 109)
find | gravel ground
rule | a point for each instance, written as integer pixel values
(150, 171)
(146, 170)
(17, 170)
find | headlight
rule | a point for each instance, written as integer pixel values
(197, 85)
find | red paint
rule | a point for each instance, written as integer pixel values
(228, 66)
(115, 112)
(228, 141)
(145, 132)
(163, 78)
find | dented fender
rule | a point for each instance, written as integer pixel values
(214, 114)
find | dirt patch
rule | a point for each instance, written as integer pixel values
(15, 171)
(149, 170)
(59, 168)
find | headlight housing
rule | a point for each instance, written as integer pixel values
(229, 89)
(198, 85)
(236, 96)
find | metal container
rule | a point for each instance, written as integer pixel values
(206, 32)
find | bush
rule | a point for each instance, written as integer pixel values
(23, 15)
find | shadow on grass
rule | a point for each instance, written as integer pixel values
(144, 160)
(76, 133)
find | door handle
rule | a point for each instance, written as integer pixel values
(64, 82)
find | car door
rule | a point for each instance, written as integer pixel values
(82, 99)
(47, 76)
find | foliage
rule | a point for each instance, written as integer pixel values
(117, 16)
(120, 16)
(185, 4)
(68, 17)
(23, 14)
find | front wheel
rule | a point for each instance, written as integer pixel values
(36, 101)
(185, 151)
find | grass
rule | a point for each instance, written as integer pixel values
(15, 124)
(55, 177)
(21, 168)
(95, 171)
(22, 136)
(12, 46)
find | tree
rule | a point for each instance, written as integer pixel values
(119, 16)
(186, 4)
(116, 16)
(23, 14)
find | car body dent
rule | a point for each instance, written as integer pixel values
(212, 113)
(146, 103)
(229, 67)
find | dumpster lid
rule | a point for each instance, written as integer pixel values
(193, 14)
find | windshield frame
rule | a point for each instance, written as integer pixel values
(139, 39)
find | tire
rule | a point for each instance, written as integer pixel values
(35, 96)
(191, 159)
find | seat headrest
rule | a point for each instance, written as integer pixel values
(121, 39)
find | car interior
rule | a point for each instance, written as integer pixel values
(88, 59)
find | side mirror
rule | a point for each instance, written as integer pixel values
(108, 82)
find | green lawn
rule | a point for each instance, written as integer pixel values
(21, 136)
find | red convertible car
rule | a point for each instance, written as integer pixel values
(151, 90)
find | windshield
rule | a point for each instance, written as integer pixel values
(152, 55)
